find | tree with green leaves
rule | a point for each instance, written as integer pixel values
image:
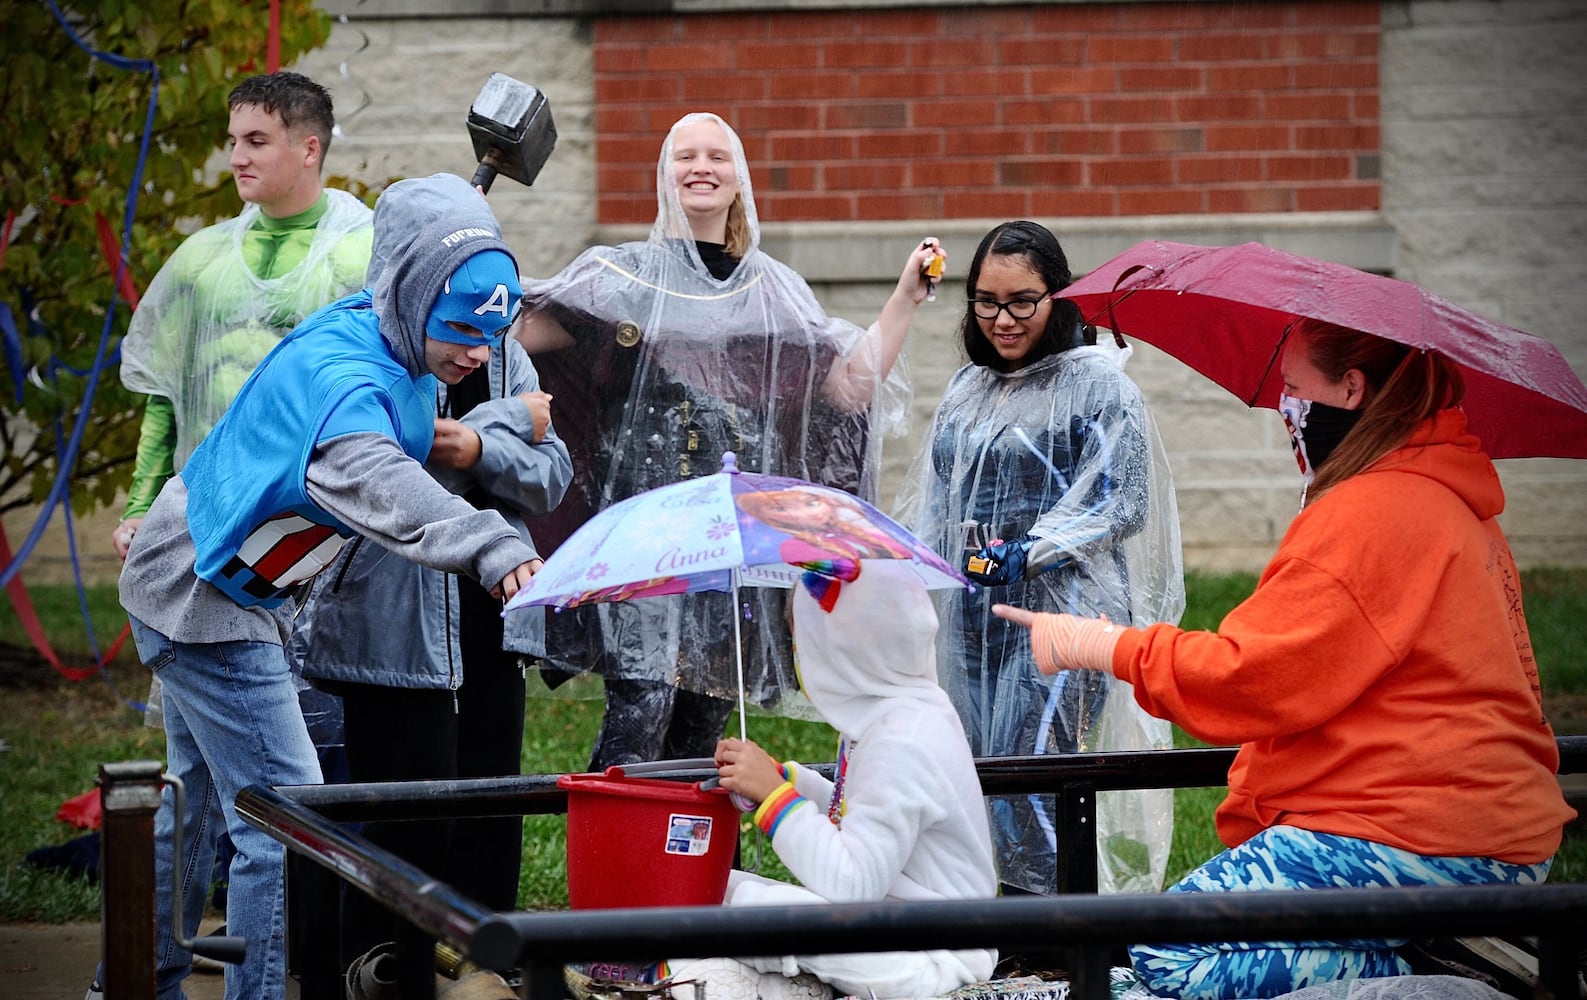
(75, 124)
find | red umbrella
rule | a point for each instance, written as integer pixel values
(1226, 310)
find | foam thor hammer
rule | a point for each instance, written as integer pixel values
(510, 123)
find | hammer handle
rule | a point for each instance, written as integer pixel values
(484, 176)
(485, 173)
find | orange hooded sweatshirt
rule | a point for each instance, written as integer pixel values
(1380, 679)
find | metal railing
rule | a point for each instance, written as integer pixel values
(1089, 930)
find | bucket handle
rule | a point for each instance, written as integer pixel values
(656, 766)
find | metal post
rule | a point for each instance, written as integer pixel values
(415, 962)
(1558, 959)
(130, 796)
(314, 948)
(1077, 837)
(543, 980)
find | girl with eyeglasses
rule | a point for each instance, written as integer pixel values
(1045, 480)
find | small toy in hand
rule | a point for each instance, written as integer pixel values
(976, 537)
(977, 565)
(933, 269)
(998, 564)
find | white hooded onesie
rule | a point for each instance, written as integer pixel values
(910, 823)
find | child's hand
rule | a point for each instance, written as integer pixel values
(747, 769)
(456, 445)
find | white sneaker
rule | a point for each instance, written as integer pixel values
(95, 992)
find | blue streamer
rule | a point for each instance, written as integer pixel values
(67, 459)
(67, 453)
(11, 342)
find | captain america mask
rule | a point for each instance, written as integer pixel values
(483, 294)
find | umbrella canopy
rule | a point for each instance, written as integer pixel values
(1225, 311)
(721, 531)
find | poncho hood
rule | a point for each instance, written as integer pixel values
(672, 225)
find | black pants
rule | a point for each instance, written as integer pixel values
(405, 734)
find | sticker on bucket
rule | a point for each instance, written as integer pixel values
(688, 834)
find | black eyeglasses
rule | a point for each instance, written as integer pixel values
(1017, 309)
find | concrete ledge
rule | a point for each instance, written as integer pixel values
(371, 9)
(846, 252)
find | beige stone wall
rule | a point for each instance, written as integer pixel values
(1485, 183)
(403, 89)
(1485, 202)
(1485, 165)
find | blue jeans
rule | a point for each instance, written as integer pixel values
(231, 720)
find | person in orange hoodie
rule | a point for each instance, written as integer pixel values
(1380, 680)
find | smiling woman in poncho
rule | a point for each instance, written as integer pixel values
(663, 354)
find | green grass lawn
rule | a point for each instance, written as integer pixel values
(56, 733)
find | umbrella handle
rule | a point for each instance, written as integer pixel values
(1113, 323)
(738, 647)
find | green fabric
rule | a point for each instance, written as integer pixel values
(275, 246)
(271, 248)
(156, 448)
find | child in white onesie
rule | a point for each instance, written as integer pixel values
(905, 819)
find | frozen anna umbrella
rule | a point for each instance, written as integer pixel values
(722, 532)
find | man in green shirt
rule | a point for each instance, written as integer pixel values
(231, 291)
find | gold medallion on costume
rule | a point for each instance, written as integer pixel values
(627, 333)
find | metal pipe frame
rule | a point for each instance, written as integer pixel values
(544, 942)
(305, 819)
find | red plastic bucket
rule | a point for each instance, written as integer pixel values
(646, 841)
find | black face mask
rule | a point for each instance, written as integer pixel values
(1315, 430)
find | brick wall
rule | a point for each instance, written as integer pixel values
(1023, 111)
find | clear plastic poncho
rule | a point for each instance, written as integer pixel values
(207, 319)
(1064, 450)
(670, 368)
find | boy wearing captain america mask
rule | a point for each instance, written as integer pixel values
(482, 294)
(324, 441)
(441, 696)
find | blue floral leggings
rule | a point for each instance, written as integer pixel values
(1287, 857)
